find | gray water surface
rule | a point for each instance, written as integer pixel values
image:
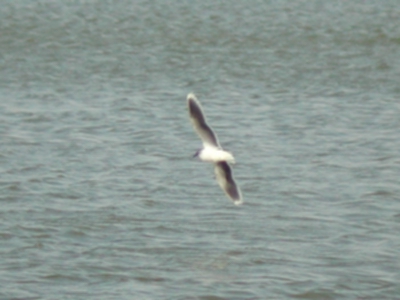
(101, 198)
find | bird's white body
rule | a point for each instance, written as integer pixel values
(213, 154)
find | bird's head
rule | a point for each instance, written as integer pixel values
(197, 153)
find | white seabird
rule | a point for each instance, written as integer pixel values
(213, 152)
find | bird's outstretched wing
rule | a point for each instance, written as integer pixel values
(225, 180)
(204, 131)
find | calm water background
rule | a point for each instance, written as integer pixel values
(100, 198)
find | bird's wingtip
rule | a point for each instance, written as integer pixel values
(238, 202)
(191, 96)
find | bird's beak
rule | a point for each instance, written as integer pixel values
(197, 153)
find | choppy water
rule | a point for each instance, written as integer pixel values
(100, 198)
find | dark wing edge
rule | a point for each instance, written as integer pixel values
(195, 110)
(199, 122)
(225, 179)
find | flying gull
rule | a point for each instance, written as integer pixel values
(213, 152)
